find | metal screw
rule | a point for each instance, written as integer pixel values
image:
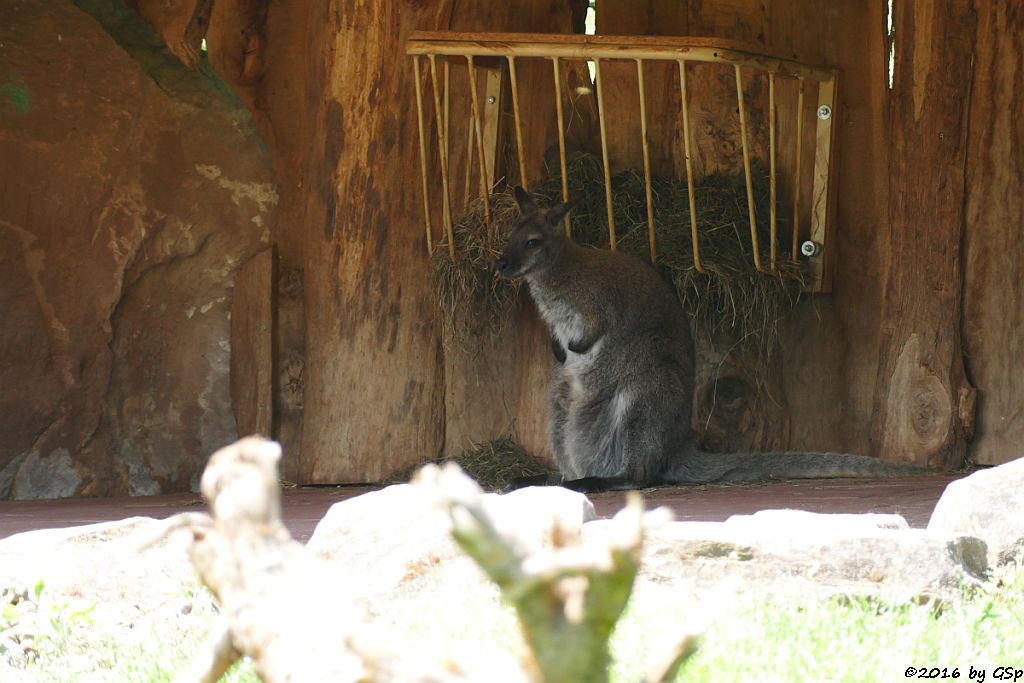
(824, 112)
(491, 99)
(810, 249)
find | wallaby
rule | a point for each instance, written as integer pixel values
(623, 379)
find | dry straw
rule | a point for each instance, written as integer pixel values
(494, 464)
(731, 298)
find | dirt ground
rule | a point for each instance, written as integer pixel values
(912, 497)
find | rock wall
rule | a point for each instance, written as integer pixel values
(131, 191)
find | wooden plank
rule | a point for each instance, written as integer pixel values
(923, 401)
(993, 329)
(492, 108)
(823, 194)
(374, 393)
(607, 47)
(252, 327)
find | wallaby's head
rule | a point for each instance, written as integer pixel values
(538, 239)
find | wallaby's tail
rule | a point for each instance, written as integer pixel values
(702, 468)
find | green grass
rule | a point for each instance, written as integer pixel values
(851, 640)
(59, 640)
(843, 640)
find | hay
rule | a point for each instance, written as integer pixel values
(731, 298)
(494, 465)
(473, 301)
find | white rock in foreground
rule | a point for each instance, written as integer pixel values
(988, 504)
(791, 552)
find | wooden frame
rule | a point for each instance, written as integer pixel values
(506, 48)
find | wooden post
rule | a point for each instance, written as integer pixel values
(923, 402)
(561, 137)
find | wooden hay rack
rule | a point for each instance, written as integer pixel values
(812, 133)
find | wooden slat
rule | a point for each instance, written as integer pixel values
(599, 82)
(442, 144)
(689, 166)
(520, 153)
(746, 168)
(561, 137)
(647, 156)
(423, 153)
(485, 190)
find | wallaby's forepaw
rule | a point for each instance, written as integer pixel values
(600, 484)
(534, 480)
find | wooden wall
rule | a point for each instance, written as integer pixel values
(928, 227)
(993, 309)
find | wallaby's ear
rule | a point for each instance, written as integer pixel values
(524, 200)
(557, 212)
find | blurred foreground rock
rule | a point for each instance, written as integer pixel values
(988, 504)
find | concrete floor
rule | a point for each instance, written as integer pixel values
(912, 497)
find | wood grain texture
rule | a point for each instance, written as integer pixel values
(374, 392)
(923, 401)
(252, 327)
(994, 248)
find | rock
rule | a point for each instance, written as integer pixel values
(988, 504)
(101, 563)
(394, 541)
(50, 477)
(790, 552)
(133, 191)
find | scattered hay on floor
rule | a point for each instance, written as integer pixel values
(494, 465)
(731, 297)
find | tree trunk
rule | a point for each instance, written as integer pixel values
(923, 401)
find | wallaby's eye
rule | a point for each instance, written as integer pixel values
(532, 243)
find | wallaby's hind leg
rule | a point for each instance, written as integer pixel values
(593, 437)
(657, 423)
(558, 416)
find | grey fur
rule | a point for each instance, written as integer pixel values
(622, 385)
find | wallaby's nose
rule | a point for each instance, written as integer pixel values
(503, 266)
